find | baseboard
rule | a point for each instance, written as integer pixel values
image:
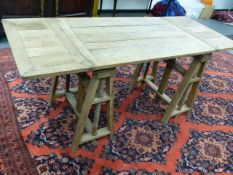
(124, 11)
(223, 9)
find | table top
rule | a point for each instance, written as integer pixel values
(56, 46)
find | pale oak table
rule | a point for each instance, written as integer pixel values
(45, 47)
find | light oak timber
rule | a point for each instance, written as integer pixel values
(141, 78)
(60, 94)
(69, 94)
(88, 137)
(90, 128)
(196, 65)
(146, 69)
(90, 95)
(184, 97)
(156, 89)
(53, 90)
(140, 35)
(91, 51)
(135, 77)
(80, 45)
(117, 21)
(81, 91)
(100, 93)
(104, 98)
(179, 69)
(73, 102)
(205, 34)
(196, 84)
(184, 108)
(166, 74)
(109, 91)
(155, 69)
(95, 94)
(187, 90)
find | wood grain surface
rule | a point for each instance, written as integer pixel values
(56, 46)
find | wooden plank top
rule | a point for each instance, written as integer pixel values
(56, 46)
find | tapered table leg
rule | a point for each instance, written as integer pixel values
(53, 90)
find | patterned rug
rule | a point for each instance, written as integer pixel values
(201, 143)
(14, 156)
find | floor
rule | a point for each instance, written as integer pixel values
(4, 43)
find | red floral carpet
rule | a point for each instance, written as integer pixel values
(14, 156)
(201, 143)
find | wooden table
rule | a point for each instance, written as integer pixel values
(60, 46)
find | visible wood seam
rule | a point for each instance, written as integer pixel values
(77, 42)
(191, 34)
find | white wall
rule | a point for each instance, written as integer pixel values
(223, 4)
(132, 4)
(126, 4)
(143, 4)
